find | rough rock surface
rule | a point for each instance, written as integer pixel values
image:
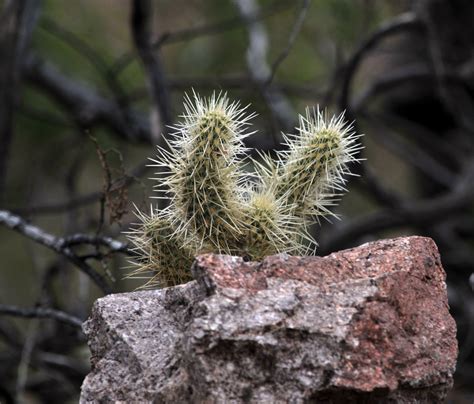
(365, 325)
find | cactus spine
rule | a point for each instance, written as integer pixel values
(212, 208)
(312, 169)
(204, 179)
(158, 250)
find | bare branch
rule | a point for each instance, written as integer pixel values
(95, 59)
(415, 73)
(408, 213)
(40, 312)
(240, 82)
(449, 41)
(52, 242)
(392, 80)
(110, 243)
(17, 23)
(141, 30)
(201, 30)
(406, 21)
(80, 201)
(410, 152)
(291, 40)
(86, 107)
(280, 107)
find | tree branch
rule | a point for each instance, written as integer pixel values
(85, 106)
(141, 30)
(398, 24)
(291, 40)
(95, 59)
(40, 312)
(188, 34)
(54, 243)
(17, 23)
(110, 243)
(280, 107)
(409, 152)
(408, 213)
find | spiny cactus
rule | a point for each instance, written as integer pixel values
(202, 172)
(216, 206)
(158, 249)
(312, 169)
(270, 227)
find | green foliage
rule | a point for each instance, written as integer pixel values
(215, 206)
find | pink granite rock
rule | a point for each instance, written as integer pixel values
(369, 324)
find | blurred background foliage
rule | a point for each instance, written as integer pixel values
(56, 180)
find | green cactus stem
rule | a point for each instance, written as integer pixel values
(161, 257)
(204, 179)
(312, 171)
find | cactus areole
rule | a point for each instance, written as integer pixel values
(214, 205)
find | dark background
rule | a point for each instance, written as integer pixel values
(87, 88)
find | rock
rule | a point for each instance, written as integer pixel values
(369, 324)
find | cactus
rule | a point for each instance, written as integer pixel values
(202, 172)
(162, 257)
(312, 169)
(215, 206)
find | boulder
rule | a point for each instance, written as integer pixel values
(369, 324)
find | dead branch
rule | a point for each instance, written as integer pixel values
(141, 29)
(54, 243)
(40, 312)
